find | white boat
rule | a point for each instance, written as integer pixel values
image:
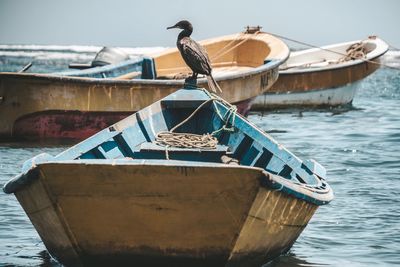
(326, 76)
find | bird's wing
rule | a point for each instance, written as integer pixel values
(195, 56)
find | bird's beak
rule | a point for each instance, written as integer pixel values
(172, 27)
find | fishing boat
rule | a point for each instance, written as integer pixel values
(126, 196)
(323, 77)
(78, 103)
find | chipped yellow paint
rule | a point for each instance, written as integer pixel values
(113, 208)
(83, 210)
(88, 98)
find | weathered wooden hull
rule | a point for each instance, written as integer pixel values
(146, 214)
(42, 106)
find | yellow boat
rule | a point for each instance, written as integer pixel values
(62, 105)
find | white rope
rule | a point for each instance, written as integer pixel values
(248, 36)
(186, 140)
(227, 45)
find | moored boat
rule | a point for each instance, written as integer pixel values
(323, 77)
(79, 103)
(124, 197)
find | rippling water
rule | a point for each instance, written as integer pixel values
(359, 146)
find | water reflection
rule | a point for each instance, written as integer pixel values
(291, 260)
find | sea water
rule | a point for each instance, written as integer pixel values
(359, 146)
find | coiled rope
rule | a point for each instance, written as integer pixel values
(188, 140)
(353, 52)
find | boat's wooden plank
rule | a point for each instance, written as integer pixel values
(123, 145)
(111, 150)
(264, 159)
(88, 155)
(241, 149)
(99, 153)
(133, 136)
(286, 171)
(275, 165)
(249, 156)
(90, 143)
(143, 129)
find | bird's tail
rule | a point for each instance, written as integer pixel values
(212, 84)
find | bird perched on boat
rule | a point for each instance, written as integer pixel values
(194, 54)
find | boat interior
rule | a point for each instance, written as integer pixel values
(134, 139)
(229, 56)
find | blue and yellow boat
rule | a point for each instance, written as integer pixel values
(127, 196)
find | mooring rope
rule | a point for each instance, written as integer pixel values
(189, 140)
(247, 35)
(246, 38)
(332, 51)
(237, 38)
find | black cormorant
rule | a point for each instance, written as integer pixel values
(194, 54)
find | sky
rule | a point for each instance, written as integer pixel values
(133, 23)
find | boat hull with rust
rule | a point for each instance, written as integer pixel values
(315, 78)
(62, 105)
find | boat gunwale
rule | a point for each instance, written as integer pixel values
(311, 193)
(380, 44)
(226, 77)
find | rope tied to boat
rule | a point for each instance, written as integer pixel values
(240, 39)
(353, 52)
(198, 141)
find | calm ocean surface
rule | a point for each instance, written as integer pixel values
(359, 146)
